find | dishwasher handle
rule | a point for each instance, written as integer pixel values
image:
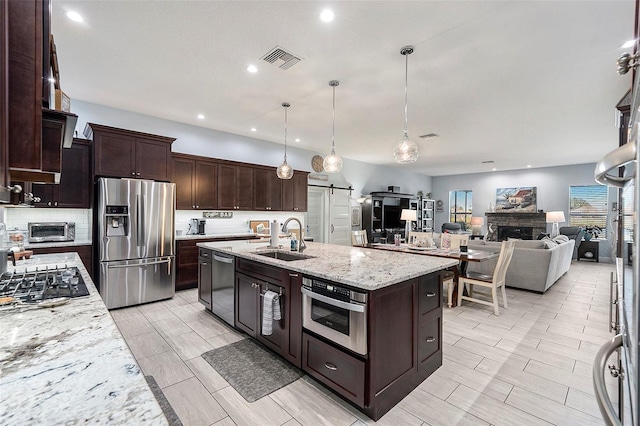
(223, 259)
(599, 368)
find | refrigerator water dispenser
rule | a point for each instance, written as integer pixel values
(117, 221)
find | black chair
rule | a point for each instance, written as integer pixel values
(573, 232)
(451, 227)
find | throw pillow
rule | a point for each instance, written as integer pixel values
(561, 239)
(549, 243)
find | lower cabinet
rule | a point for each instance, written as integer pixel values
(85, 253)
(252, 281)
(205, 278)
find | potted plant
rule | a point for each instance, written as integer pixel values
(591, 231)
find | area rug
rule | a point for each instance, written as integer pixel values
(167, 409)
(253, 370)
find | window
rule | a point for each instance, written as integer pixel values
(460, 206)
(628, 215)
(588, 207)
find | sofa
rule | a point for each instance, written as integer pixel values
(533, 266)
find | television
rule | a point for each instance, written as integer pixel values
(391, 217)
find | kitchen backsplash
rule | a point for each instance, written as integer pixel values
(238, 224)
(20, 217)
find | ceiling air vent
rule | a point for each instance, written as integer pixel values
(281, 58)
(429, 135)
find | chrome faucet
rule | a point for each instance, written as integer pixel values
(284, 229)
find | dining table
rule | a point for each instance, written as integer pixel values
(464, 258)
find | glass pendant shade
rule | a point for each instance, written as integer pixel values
(285, 171)
(333, 163)
(406, 151)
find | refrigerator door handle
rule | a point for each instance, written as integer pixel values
(134, 265)
(138, 224)
(599, 367)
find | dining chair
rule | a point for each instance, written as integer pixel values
(458, 240)
(423, 239)
(359, 238)
(491, 281)
(448, 280)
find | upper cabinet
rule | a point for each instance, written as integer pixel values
(267, 189)
(196, 180)
(5, 195)
(235, 186)
(35, 134)
(294, 192)
(124, 153)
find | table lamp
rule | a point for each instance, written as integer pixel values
(408, 215)
(554, 218)
(476, 225)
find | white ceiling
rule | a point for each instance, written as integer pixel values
(517, 82)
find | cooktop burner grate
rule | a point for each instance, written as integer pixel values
(37, 286)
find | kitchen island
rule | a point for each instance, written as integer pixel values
(69, 364)
(366, 323)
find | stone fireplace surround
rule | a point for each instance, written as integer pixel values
(537, 221)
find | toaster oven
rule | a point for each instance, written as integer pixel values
(40, 232)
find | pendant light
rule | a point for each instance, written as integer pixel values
(333, 163)
(284, 170)
(406, 151)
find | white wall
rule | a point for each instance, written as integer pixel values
(196, 140)
(552, 185)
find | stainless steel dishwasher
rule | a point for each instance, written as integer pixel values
(223, 287)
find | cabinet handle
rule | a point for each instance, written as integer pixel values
(293, 275)
(254, 285)
(430, 294)
(205, 254)
(431, 339)
(330, 366)
(55, 204)
(204, 263)
(133, 173)
(138, 174)
(193, 206)
(49, 203)
(197, 207)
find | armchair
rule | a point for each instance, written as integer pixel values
(451, 227)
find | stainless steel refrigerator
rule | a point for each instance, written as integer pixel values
(135, 238)
(620, 357)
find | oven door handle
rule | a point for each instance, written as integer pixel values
(333, 302)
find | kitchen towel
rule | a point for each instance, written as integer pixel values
(275, 233)
(270, 312)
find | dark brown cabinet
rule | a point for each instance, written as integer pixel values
(235, 186)
(4, 106)
(196, 180)
(125, 153)
(267, 189)
(294, 192)
(85, 253)
(252, 281)
(74, 190)
(205, 277)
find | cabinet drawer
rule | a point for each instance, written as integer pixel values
(205, 253)
(260, 269)
(430, 297)
(341, 372)
(429, 337)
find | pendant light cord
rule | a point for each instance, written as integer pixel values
(406, 78)
(333, 135)
(285, 133)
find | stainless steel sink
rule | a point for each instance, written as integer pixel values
(286, 256)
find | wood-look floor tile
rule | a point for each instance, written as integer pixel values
(174, 302)
(538, 353)
(227, 422)
(394, 417)
(584, 402)
(576, 354)
(166, 368)
(207, 375)
(148, 344)
(125, 313)
(189, 345)
(292, 422)
(158, 313)
(309, 406)
(491, 410)
(193, 404)
(134, 326)
(477, 335)
(474, 379)
(439, 386)
(264, 412)
(552, 411)
(190, 296)
(460, 356)
(226, 339)
(171, 327)
(491, 352)
(434, 411)
(209, 327)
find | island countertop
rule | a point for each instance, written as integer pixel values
(359, 267)
(69, 364)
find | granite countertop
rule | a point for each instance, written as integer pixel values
(69, 364)
(30, 246)
(364, 268)
(210, 236)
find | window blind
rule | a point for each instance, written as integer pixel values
(588, 207)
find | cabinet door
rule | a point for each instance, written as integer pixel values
(47, 192)
(4, 105)
(244, 187)
(186, 265)
(226, 187)
(267, 190)
(74, 190)
(153, 159)
(204, 281)
(247, 304)
(114, 155)
(300, 192)
(183, 177)
(278, 340)
(206, 185)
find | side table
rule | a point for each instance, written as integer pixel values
(589, 250)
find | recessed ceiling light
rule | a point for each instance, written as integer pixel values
(528, 166)
(297, 139)
(252, 68)
(494, 169)
(628, 44)
(326, 15)
(200, 116)
(253, 129)
(74, 16)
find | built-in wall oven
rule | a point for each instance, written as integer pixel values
(336, 313)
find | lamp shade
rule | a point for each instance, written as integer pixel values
(477, 221)
(408, 214)
(555, 217)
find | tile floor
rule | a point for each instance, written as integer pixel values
(530, 365)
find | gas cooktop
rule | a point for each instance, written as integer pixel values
(41, 285)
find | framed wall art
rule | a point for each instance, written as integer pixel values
(516, 200)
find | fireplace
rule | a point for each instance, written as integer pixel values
(519, 232)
